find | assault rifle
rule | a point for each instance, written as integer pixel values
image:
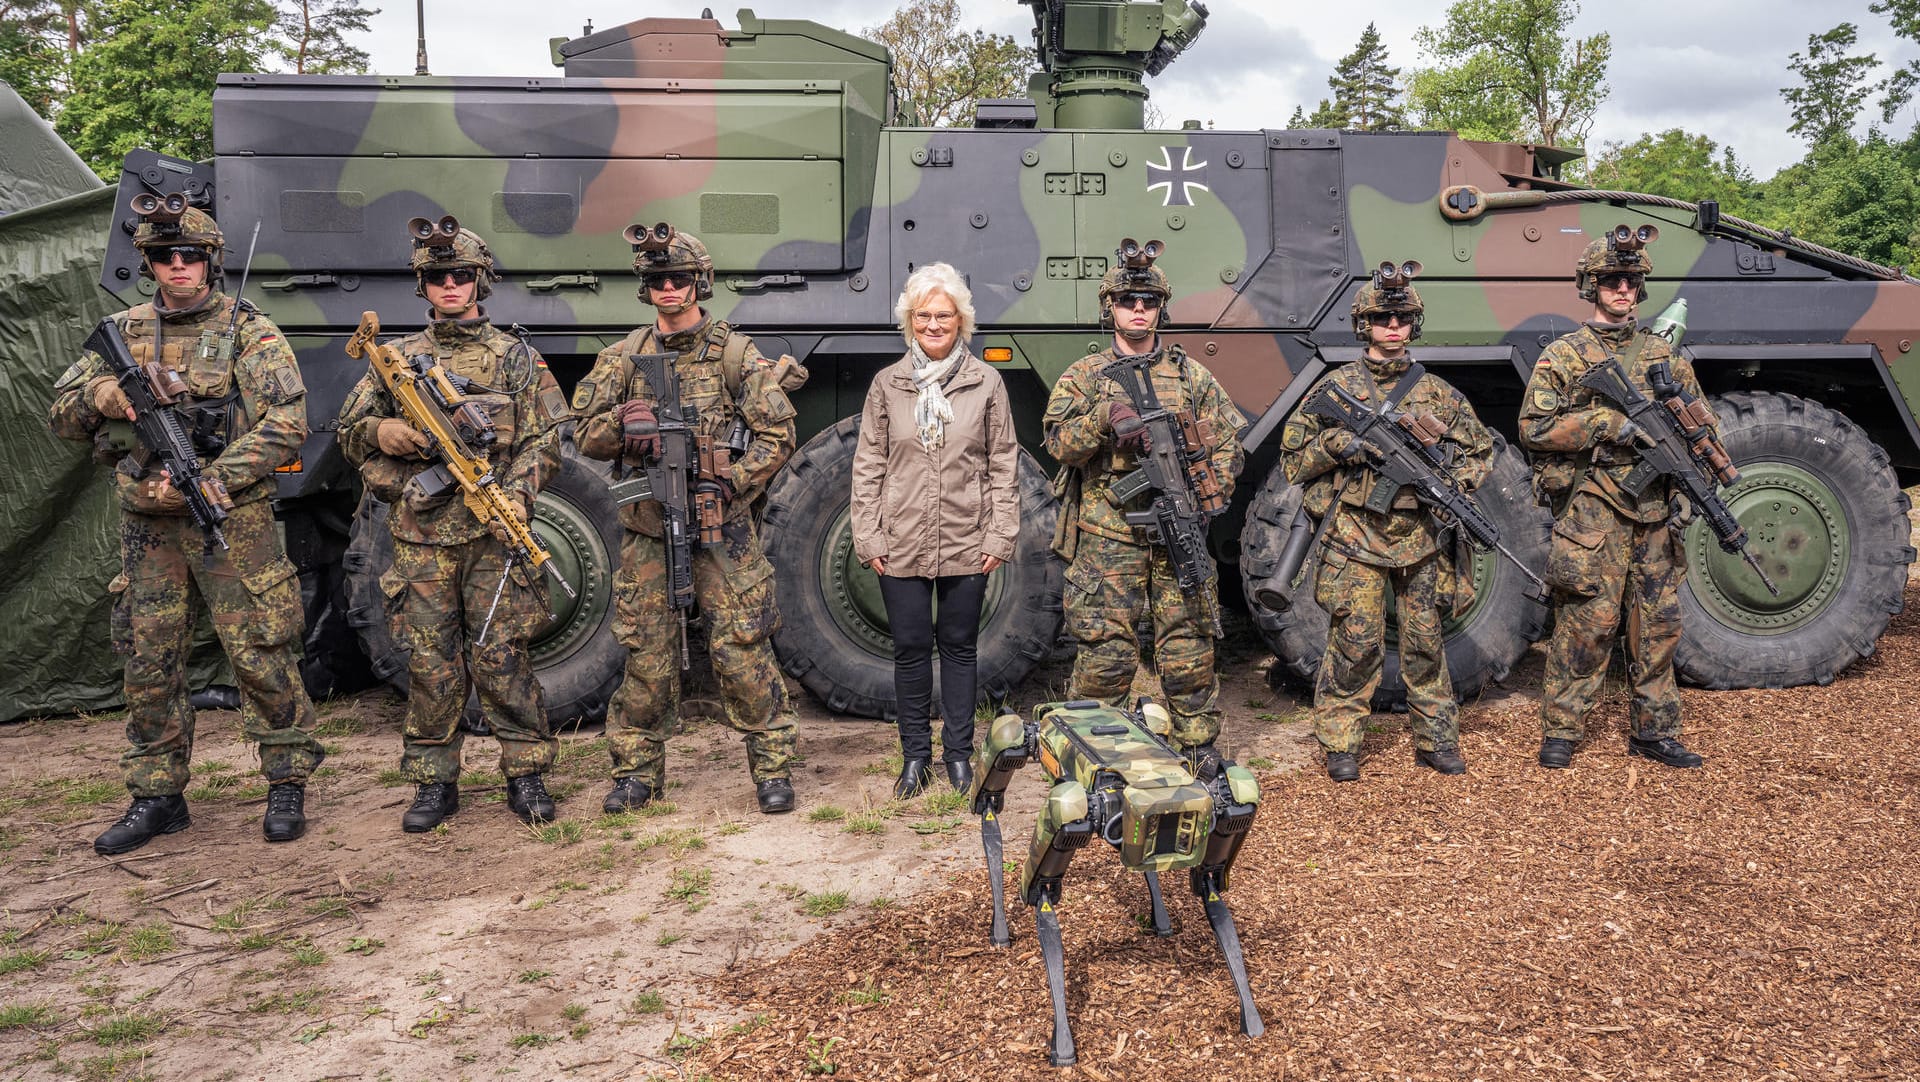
(461, 436)
(1404, 449)
(1176, 469)
(152, 390)
(1676, 441)
(683, 476)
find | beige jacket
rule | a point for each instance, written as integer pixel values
(935, 513)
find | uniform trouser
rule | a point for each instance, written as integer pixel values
(252, 593)
(1604, 567)
(447, 590)
(1109, 585)
(1355, 597)
(916, 629)
(733, 584)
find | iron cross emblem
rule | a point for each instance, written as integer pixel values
(1176, 182)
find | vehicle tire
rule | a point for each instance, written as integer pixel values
(1482, 644)
(1826, 518)
(575, 655)
(833, 626)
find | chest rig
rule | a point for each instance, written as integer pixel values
(711, 373)
(201, 353)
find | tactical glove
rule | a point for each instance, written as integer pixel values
(639, 428)
(165, 498)
(1129, 431)
(398, 438)
(1346, 448)
(1626, 434)
(106, 395)
(499, 529)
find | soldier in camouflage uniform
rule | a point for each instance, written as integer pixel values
(1616, 564)
(724, 378)
(247, 405)
(1115, 574)
(447, 564)
(1366, 553)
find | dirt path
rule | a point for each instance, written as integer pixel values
(583, 951)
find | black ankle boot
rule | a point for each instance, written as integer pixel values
(960, 774)
(1444, 760)
(527, 798)
(1663, 749)
(628, 794)
(913, 778)
(432, 802)
(147, 818)
(1556, 753)
(286, 817)
(1343, 766)
(775, 796)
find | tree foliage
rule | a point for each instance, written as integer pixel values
(1861, 198)
(1506, 69)
(942, 70)
(1323, 116)
(1904, 16)
(37, 39)
(314, 36)
(1833, 85)
(1366, 88)
(1677, 164)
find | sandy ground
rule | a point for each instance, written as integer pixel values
(484, 949)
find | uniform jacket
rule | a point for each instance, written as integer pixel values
(526, 420)
(722, 376)
(1567, 425)
(255, 399)
(1076, 433)
(933, 513)
(1407, 533)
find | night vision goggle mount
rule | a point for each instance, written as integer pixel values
(1625, 243)
(652, 241)
(1136, 260)
(1393, 281)
(162, 212)
(435, 235)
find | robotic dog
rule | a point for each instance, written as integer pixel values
(1115, 777)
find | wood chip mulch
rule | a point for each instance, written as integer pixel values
(1754, 919)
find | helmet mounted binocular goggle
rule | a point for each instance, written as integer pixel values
(1137, 259)
(162, 212)
(1625, 242)
(651, 240)
(435, 235)
(1393, 281)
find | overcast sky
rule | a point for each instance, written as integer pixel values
(1710, 66)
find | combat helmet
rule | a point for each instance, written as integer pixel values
(1134, 272)
(442, 245)
(1621, 251)
(1389, 290)
(661, 248)
(168, 220)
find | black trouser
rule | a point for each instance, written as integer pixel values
(910, 613)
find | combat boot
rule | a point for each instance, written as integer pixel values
(432, 802)
(147, 818)
(960, 774)
(1444, 760)
(628, 794)
(527, 798)
(1343, 766)
(912, 779)
(286, 817)
(1663, 749)
(1556, 753)
(775, 796)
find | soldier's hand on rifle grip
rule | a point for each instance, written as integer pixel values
(398, 438)
(107, 396)
(499, 529)
(1346, 448)
(1626, 433)
(639, 428)
(1129, 431)
(165, 497)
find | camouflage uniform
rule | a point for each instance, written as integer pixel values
(1613, 556)
(1115, 573)
(447, 565)
(722, 376)
(1366, 554)
(169, 567)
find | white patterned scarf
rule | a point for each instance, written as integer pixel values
(931, 410)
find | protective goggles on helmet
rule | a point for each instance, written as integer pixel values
(1139, 299)
(461, 276)
(189, 254)
(1618, 280)
(675, 280)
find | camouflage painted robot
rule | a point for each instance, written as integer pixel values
(1119, 571)
(465, 618)
(234, 385)
(1115, 776)
(734, 397)
(1376, 543)
(1617, 562)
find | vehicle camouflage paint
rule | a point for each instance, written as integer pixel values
(775, 143)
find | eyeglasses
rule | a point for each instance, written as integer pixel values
(675, 280)
(461, 276)
(1388, 319)
(186, 253)
(1621, 281)
(1149, 301)
(927, 319)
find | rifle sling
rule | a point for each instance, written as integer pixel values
(1380, 500)
(1638, 478)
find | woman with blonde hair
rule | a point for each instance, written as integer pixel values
(935, 510)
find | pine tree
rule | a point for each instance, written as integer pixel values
(1366, 90)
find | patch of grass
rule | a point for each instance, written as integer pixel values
(654, 809)
(91, 792)
(236, 918)
(340, 724)
(431, 976)
(573, 1012)
(616, 820)
(682, 1045)
(26, 1015)
(746, 1025)
(258, 941)
(128, 1027)
(943, 802)
(819, 1055)
(17, 961)
(824, 903)
(668, 939)
(363, 945)
(313, 1033)
(935, 826)
(101, 940)
(580, 1031)
(429, 1022)
(647, 1003)
(150, 941)
(689, 885)
(827, 813)
(569, 884)
(868, 823)
(682, 840)
(882, 904)
(869, 994)
(560, 832)
(306, 952)
(286, 1002)
(726, 829)
(332, 905)
(1260, 762)
(531, 976)
(531, 1040)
